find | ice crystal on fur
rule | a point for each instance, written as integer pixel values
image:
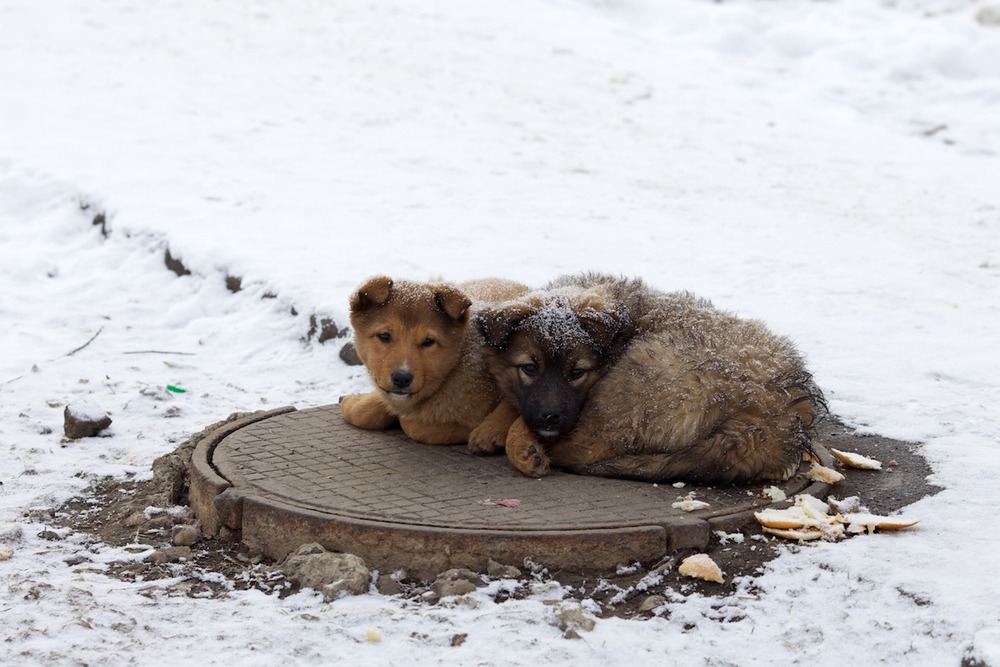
(557, 324)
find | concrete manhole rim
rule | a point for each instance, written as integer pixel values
(277, 526)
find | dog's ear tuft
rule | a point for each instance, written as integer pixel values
(498, 324)
(452, 302)
(373, 293)
(609, 330)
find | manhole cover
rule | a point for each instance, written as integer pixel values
(284, 478)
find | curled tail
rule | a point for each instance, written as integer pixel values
(809, 407)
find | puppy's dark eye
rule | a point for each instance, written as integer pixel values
(577, 373)
(531, 370)
(428, 342)
(385, 336)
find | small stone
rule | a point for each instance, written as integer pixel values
(498, 571)
(84, 420)
(5, 552)
(388, 586)
(349, 355)
(351, 584)
(459, 639)
(651, 603)
(160, 522)
(169, 555)
(572, 617)
(185, 535)
(134, 519)
(458, 581)
(332, 574)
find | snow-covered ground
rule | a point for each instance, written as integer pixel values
(830, 167)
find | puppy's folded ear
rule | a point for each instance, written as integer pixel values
(452, 302)
(609, 331)
(373, 293)
(498, 324)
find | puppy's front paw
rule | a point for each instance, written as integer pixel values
(530, 461)
(485, 440)
(366, 411)
(525, 453)
(490, 436)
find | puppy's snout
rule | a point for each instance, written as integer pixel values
(401, 379)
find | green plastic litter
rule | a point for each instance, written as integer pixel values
(176, 390)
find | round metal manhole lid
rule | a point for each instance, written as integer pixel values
(307, 475)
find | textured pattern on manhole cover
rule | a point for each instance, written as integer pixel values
(312, 459)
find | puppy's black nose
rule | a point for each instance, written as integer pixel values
(401, 379)
(551, 418)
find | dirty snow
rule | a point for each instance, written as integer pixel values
(829, 167)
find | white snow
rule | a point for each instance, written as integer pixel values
(829, 167)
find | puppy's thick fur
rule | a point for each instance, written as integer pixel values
(615, 379)
(426, 361)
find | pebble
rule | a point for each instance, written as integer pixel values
(387, 585)
(651, 603)
(458, 581)
(496, 570)
(184, 535)
(571, 617)
(84, 420)
(169, 555)
(332, 574)
(349, 355)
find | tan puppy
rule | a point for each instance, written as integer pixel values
(615, 379)
(426, 362)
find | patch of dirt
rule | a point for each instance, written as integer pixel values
(142, 515)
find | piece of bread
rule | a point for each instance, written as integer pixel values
(701, 566)
(856, 460)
